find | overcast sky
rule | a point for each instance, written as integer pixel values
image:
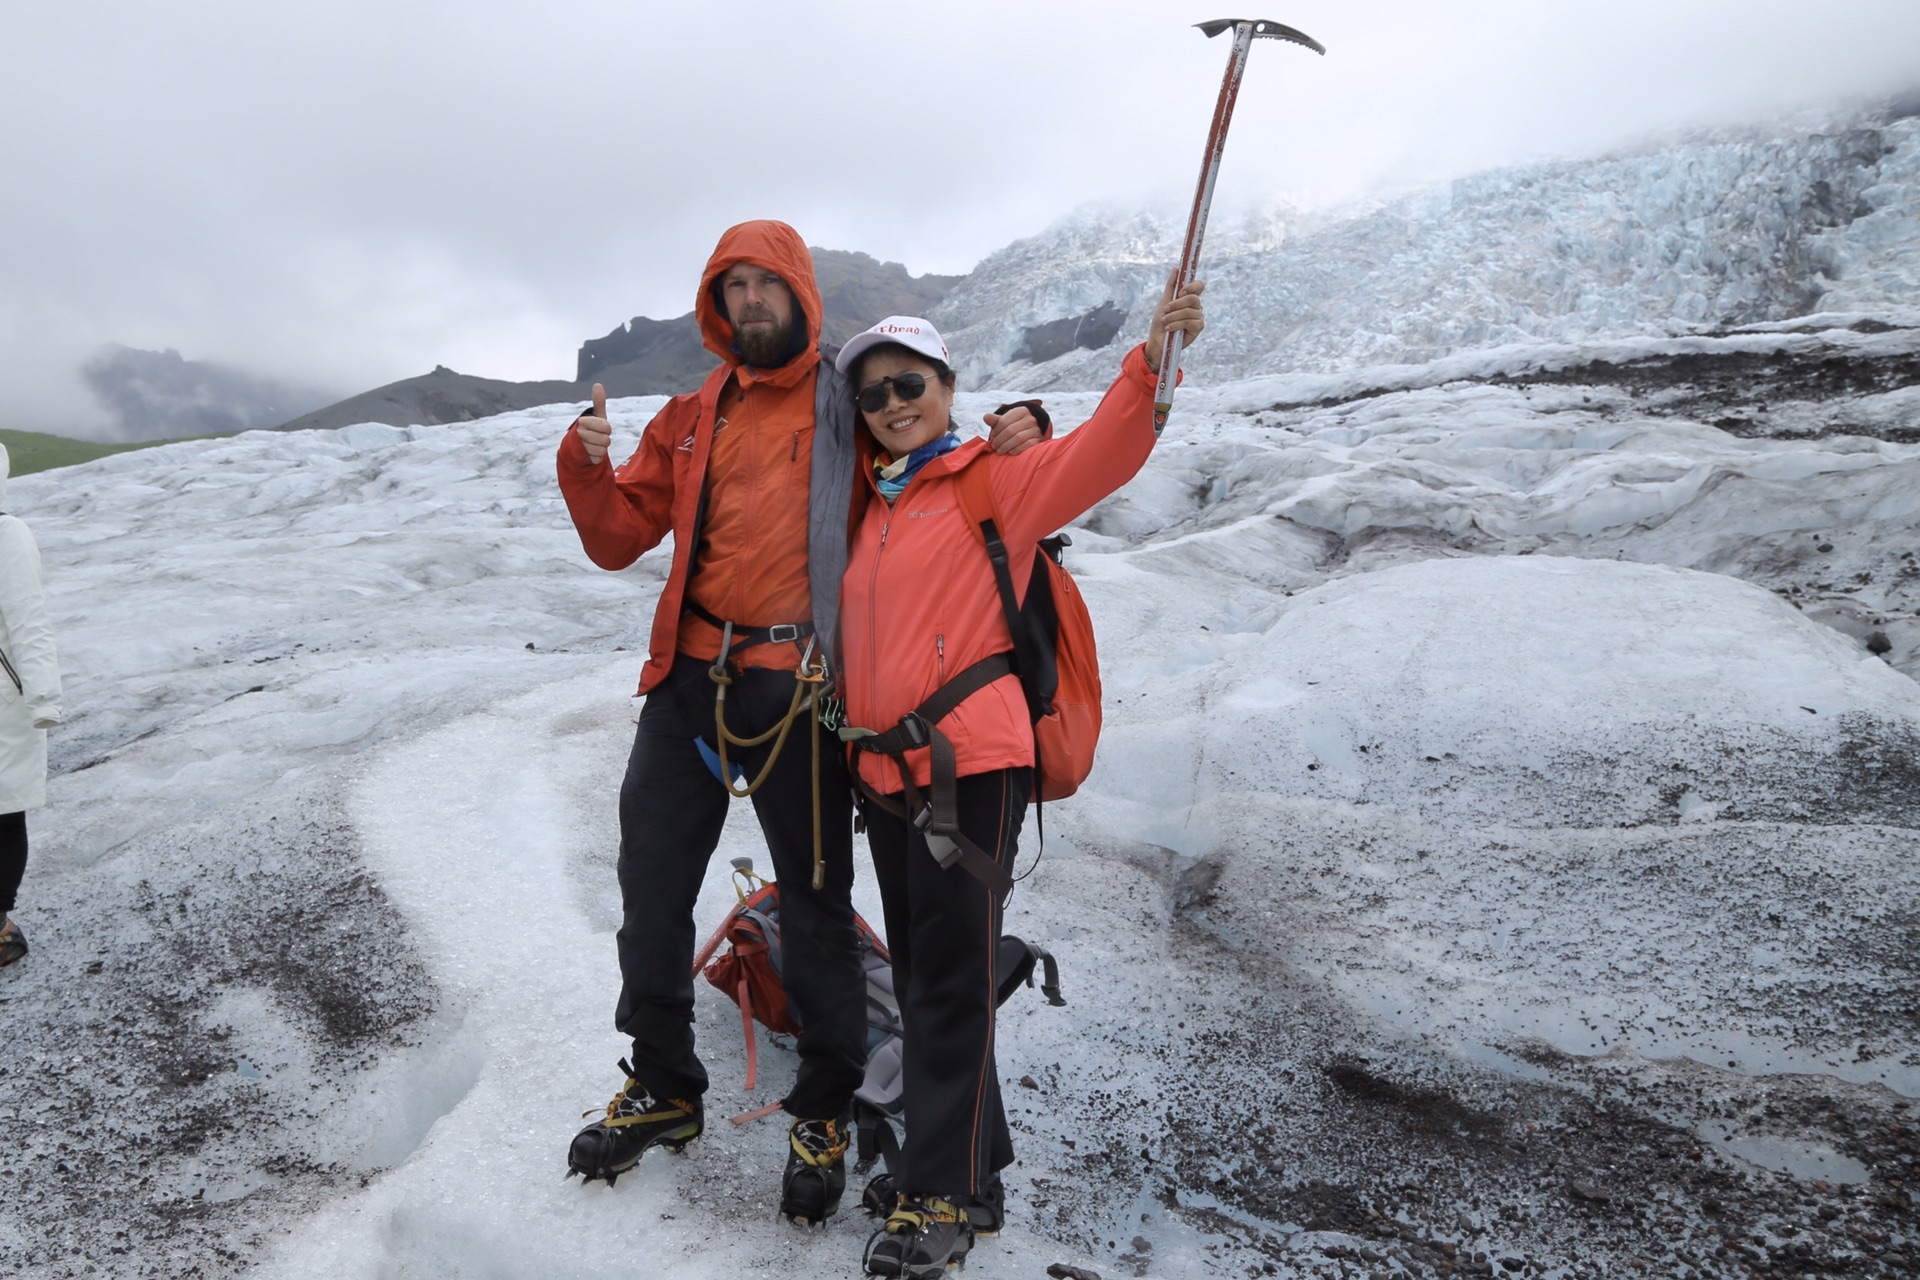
(345, 192)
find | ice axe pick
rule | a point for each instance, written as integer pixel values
(1245, 32)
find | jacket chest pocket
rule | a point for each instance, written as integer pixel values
(793, 452)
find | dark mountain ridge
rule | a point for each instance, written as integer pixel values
(856, 290)
(642, 357)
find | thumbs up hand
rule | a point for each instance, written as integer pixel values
(595, 432)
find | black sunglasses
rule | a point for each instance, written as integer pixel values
(908, 386)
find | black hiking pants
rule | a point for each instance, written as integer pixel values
(943, 929)
(671, 810)
(13, 857)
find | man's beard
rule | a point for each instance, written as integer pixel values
(762, 346)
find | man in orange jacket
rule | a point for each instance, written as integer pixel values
(753, 475)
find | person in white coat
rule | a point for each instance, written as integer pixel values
(29, 706)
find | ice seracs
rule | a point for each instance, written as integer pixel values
(1732, 228)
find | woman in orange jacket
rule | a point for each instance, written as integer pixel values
(919, 605)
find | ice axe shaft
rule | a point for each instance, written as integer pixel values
(1245, 32)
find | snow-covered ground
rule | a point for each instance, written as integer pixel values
(1502, 848)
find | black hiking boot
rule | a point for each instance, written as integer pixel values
(986, 1211)
(13, 943)
(921, 1240)
(635, 1120)
(816, 1173)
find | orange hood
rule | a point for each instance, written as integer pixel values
(777, 246)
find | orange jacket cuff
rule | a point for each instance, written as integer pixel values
(1136, 364)
(572, 452)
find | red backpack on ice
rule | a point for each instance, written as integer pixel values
(748, 972)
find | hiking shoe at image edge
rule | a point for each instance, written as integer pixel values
(816, 1174)
(13, 944)
(635, 1121)
(920, 1240)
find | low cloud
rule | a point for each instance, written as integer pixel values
(157, 395)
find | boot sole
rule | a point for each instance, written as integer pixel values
(931, 1272)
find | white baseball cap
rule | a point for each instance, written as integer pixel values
(911, 332)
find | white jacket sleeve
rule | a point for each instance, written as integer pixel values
(23, 608)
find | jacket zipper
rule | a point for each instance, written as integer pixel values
(940, 658)
(12, 674)
(873, 619)
(749, 410)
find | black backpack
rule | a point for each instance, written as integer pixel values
(879, 1103)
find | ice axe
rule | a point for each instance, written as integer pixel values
(1245, 32)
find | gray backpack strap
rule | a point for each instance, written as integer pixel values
(883, 1003)
(771, 932)
(876, 1103)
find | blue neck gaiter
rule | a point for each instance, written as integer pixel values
(893, 477)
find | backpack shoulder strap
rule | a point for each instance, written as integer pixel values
(976, 495)
(976, 503)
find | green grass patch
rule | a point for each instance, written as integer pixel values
(31, 451)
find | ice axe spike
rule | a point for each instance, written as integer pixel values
(1245, 32)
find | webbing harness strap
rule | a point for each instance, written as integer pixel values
(747, 637)
(936, 818)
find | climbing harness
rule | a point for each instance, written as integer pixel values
(936, 817)
(809, 687)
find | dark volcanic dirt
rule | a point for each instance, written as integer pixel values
(145, 1135)
(1294, 1158)
(1747, 394)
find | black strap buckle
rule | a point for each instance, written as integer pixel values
(784, 633)
(915, 730)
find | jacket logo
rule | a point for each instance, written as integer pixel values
(922, 515)
(686, 446)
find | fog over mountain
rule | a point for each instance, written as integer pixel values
(158, 395)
